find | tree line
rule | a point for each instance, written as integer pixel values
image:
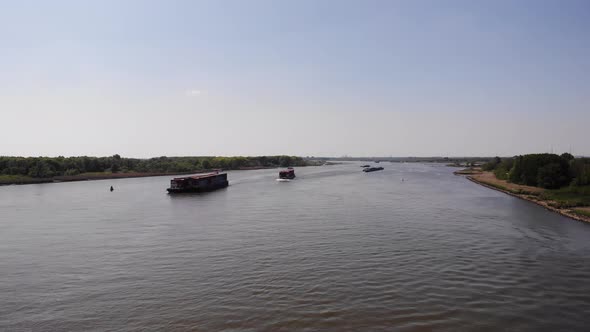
(46, 167)
(545, 170)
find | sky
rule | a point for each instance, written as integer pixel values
(306, 77)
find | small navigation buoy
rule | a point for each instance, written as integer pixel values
(112, 188)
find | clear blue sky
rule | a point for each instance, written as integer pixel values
(150, 78)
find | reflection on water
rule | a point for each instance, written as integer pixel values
(336, 249)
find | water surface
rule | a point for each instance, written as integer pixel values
(333, 250)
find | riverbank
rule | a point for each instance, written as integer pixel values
(21, 180)
(532, 194)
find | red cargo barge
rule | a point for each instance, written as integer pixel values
(287, 174)
(198, 183)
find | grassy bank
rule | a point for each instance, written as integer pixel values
(20, 179)
(466, 171)
(583, 212)
(568, 197)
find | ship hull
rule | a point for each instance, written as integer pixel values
(198, 189)
(372, 169)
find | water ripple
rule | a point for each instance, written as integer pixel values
(334, 250)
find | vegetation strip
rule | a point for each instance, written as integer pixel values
(560, 183)
(567, 213)
(30, 170)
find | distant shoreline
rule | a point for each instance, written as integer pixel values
(530, 194)
(86, 177)
(109, 176)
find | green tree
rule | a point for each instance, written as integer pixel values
(551, 176)
(567, 156)
(580, 171)
(114, 168)
(40, 170)
(492, 164)
(284, 161)
(526, 170)
(502, 169)
(516, 171)
(206, 164)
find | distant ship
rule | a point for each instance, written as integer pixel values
(372, 169)
(288, 174)
(198, 183)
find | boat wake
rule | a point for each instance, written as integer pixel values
(283, 180)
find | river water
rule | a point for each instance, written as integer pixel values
(334, 250)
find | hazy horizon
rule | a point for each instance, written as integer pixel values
(352, 158)
(225, 78)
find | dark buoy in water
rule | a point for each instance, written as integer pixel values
(112, 188)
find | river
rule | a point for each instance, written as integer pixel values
(334, 250)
